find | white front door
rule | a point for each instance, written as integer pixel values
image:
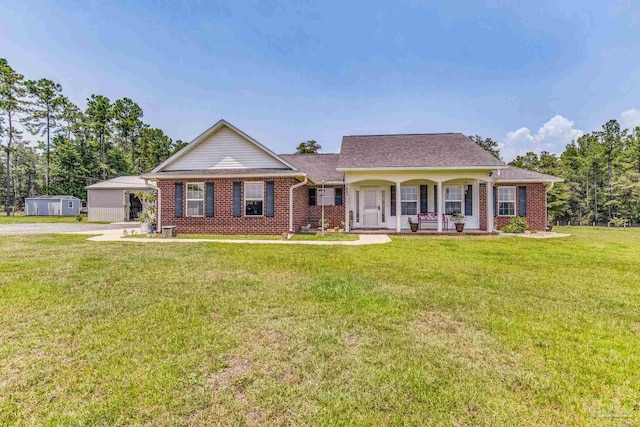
(370, 208)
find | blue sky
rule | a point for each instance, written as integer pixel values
(531, 75)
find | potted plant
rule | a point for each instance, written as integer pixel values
(413, 225)
(458, 220)
(148, 217)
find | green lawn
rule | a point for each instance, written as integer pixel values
(326, 237)
(424, 330)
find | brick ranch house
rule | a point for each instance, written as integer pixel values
(226, 182)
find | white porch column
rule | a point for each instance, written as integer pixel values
(490, 205)
(347, 203)
(398, 207)
(439, 210)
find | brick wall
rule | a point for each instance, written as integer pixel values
(223, 221)
(335, 215)
(536, 206)
(300, 207)
(482, 199)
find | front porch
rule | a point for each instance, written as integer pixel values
(425, 233)
(387, 201)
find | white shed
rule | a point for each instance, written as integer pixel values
(115, 200)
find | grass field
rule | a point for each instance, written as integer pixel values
(424, 330)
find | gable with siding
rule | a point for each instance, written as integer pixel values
(225, 149)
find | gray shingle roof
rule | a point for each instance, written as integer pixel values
(513, 173)
(122, 182)
(413, 150)
(319, 167)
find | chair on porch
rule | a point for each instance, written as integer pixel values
(432, 218)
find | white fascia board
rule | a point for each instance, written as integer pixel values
(428, 168)
(513, 181)
(235, 175)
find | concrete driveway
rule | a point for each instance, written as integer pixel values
(58, 228)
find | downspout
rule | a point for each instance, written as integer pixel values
(293, 187)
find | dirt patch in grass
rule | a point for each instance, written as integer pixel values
(263, 359)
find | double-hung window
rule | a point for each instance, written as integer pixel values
(254, 198)
(506, 201)
(409, 200)
(195, 199)
(326, 197)
(452, 200)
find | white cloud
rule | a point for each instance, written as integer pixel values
(630, 118)
(552, 136)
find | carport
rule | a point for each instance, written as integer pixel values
(115, 200)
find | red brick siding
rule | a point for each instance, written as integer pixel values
(482, 199)
(335, 214)
(223, 221)
(536, 206)
(300, 207)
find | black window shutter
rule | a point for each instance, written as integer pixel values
(436, 207)
(270, 198)
(468, 201)
(178, 200)
(495, 201)
(312, 196)
(392, 196)
(237, 198)
(208, 202)
(424, 206)
(338, 196)
(522, 201)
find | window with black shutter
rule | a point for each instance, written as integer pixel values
(338, 196)
(209, 200)
(177, 203)
(270, 198)
(424, 206)
(312, 196)
(237, 198)
(522, 201)
(392, 195)
(468, 201)
(436, 207)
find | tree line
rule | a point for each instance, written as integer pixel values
(52, 146)
(601, 170)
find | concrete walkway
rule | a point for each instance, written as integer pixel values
(117, 236)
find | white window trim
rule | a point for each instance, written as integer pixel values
(244, 212)
(69, 204)
(416, 201)
(461, 200)
(331, 200)
(187, 200)
(507, 201)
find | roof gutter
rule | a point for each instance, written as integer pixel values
(293, 187)
(418, 168)
(156, 176)
(515, 180)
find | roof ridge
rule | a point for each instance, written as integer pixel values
(309, 154)
(409, 134)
